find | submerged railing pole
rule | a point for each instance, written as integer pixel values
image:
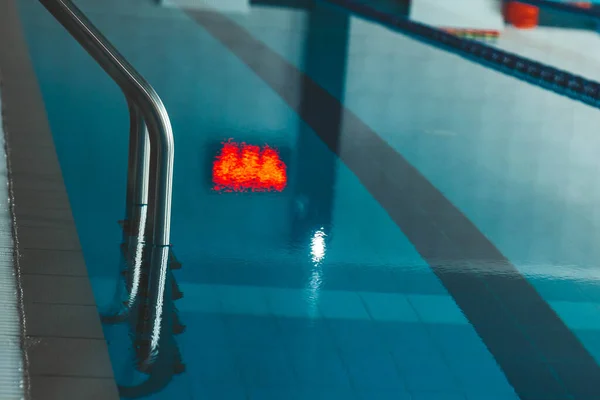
(150, 171)
(139, 163)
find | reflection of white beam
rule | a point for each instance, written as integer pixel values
(313, 289)
(138, 257)
(461, 14)
(240, 6)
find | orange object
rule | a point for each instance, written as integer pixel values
(242, 167)
(582, 4)
(522, 16)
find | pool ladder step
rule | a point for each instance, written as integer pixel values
(141, 342)
(176, 293)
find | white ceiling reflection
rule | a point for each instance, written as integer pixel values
(317, 246)
(313, 289)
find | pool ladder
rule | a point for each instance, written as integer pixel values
(147, 223)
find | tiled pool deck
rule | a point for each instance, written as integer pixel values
(66, 353)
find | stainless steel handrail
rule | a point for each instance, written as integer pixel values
(150, 171)
(145, 100)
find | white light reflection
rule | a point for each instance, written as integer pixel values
(317, 246)
(163, 260)
(317, 252)
(138, 258)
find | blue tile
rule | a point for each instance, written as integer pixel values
(555, 289)
(277, 393)
(225, 391)
(419, 280)
(373, 279)
(250, 331)
(591, 290)
(267, 366)
(342, 305)
(493, 396)
(326, 393)
(578, 315)
(310, 348)
(236, 273)
(372, 370)
(200, 298)
(319, 368)
(243, 300)
(437, 309)
(479, 378)
(291, 303)
(468, 362)
(350, 335)
(213, 365)
(389, 307)
(419, 362)
(204, 328)
(304, 333)
(382, 394)
(338, 278)
(427, 374)
(179, 388)
(457, 341)
(302, 326)
(591, 340)
(437, 396)
(407, 339)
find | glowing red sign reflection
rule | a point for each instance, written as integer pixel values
(241, 167)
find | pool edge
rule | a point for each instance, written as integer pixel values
(62, 330)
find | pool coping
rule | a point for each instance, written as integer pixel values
(65, 352)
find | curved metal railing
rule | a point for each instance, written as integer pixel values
(144, 100)
(149, 188)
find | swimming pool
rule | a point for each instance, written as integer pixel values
(363, 278)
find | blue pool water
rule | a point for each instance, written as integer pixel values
(436, 239)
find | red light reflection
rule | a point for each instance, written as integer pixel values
(241, 167)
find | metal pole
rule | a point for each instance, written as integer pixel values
(138, 91)
(138, 165)
(149, 177)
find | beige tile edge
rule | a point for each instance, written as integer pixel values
(25, 116)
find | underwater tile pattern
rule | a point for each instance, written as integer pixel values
(425, 290)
